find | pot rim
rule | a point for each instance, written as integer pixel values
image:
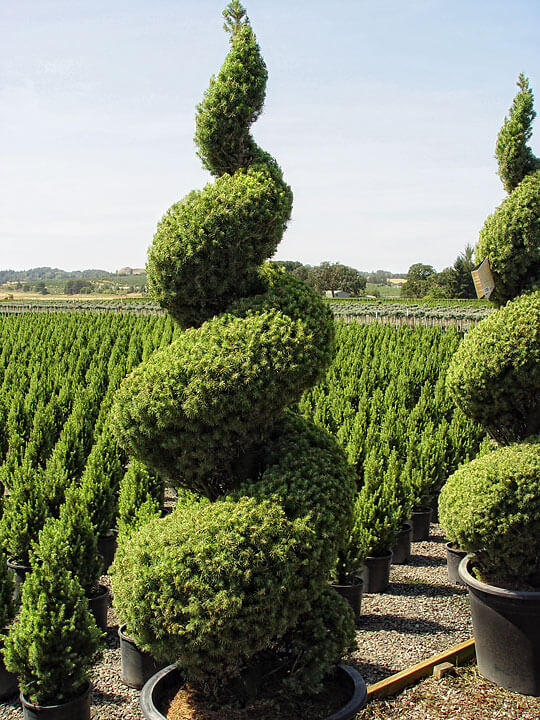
(15, 563)
(384, 556)
(358, 582)
(347, 712)
(421, 510)
(84, 693)
(466, 576)
(450, 546)
(101, 591)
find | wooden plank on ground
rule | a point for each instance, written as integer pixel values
(395, 683)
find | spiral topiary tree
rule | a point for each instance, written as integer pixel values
(510, 237)
(239, 580)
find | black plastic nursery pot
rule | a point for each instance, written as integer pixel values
(378, 572)
(76, 709)
(506, 631)
(137, 666)
(421, 519)
(8, 681)
(98, 605)
(158, 690)
(353, 594)
(453, 558)
(402, 549)
(19, 572)
(107, 544)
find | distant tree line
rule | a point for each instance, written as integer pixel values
(452, 282)
(327, 276)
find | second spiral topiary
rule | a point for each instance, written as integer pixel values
(510, 237)
(238, 579)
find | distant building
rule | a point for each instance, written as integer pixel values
(125, 271)
(336, 293)
(139, 271)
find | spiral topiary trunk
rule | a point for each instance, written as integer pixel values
(510, 237)
(240, 578)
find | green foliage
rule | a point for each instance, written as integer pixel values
(385, 394)
(208, 246)
(377, 512)
(491, 507)
(244, 572)
(141, 492)
(419, 279)
(7, 607)
(215, 583)
(100, 481)
(70, 541)
(515, 157)
(55, 641)
(25, 512)
(510, 237)
(495, 375)
(199, 405)
(335, 276)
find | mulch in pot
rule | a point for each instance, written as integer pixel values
(188, 704)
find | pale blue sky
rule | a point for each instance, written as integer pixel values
(383, 116)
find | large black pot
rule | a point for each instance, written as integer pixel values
(506, 631)
(137, 666)
(421, 519)
(158, 690)
(378, 571)
(76, 709)
(453, 558)
(401, 552)
(352, 593)
(98, 605)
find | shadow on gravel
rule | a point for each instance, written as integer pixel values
(415, 589)
(411, 626)
(437, 538)
(12, 702)
(98, 697)
(426, 561)
(371, 672)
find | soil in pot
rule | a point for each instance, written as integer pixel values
(187, 704)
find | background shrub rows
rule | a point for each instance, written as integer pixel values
(384, 392)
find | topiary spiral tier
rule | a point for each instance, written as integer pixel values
(240, 577)
(510, 237)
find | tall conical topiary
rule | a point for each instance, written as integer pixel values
(218, 585)
(510, 237)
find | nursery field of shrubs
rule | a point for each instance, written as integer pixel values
(383, 396)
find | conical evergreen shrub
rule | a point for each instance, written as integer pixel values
(54, 642)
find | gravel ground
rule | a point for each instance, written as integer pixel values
(418, 616)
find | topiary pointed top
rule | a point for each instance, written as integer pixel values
(515, 157)
(235, 16)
